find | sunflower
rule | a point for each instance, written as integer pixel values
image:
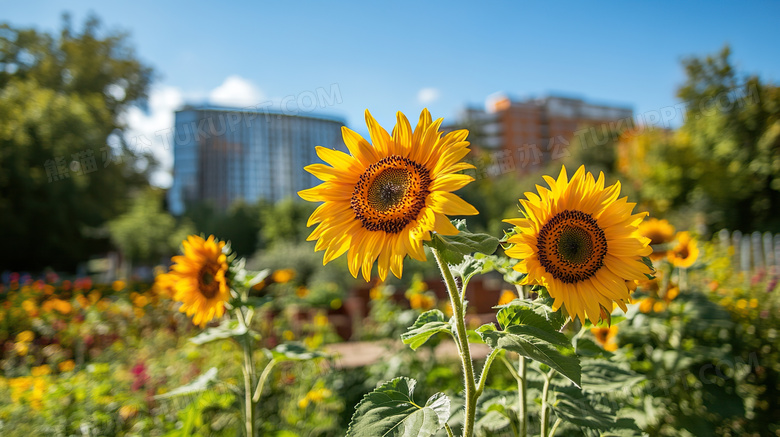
(506, 297)
(685, 253)
(421, 301)
(384, 199)
(606, 337)
(659, 232)
(581, 242)
(198, 280)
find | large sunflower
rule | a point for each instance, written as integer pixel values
(580, 242)
(198, 280)
(383, 199)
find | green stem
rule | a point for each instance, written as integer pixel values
(522, 398)
(485, 369)
(249, 373)
(263, 378)
(555, 426)
(510, 367)
(449, 430)
(545, 407)
(465, 354)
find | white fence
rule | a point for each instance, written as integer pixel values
(754, 251)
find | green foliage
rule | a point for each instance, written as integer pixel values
(604, 376)
(589, 413)
(543, 345)
(496, 199)
(228, 329)
(497, 411)
(294, 352)
(722, 165)
(427, 325)
(732, 132)
(581, 413)
(285, 222)
(454, 247)
(60, 103)
(522, 311)
(240, 224)
(503, 265)
(200, 383)
(390, 410)
(471, 266)
(146, 233)
(209, 414)
(531, 330)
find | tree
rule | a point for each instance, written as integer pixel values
(732, 129)
(146, 232)
(724, 161)
(61, 100)
(721, 168)
(240, 224)
(285, 222)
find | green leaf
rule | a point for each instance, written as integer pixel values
(257, 277)
(485, 328)
(524, 315)
(225, 330)
(427, 325)
(546, 346)
(604, 376)
(503, 265)
(542, 307)
(623, 427)
(585, 347)
(453, 247)
(613, 320)
(468, 268)
(257, 301)
(200, 383)
(390, 410)
(648, 262)
(512, 276)
(496, 410)
(495, 419)
(474, 337)
(579, 411)
(295, 352)
(478, 333)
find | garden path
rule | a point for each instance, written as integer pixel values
(362, 353)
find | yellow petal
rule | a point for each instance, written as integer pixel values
(379, 136)
(450, 204)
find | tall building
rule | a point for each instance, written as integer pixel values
(531, 132)
(222, 155)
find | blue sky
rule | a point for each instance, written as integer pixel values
(405, 55)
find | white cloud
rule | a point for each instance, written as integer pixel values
(236, 91)
(427, 95)
(151, 129)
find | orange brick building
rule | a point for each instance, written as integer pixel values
(526, 134)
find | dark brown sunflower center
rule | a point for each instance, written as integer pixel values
(656, 237)
(390, 194)
(388, 188)
(683, 252)
(572, 246)
(207, 283)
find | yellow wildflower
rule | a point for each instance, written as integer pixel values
(506, 297)
(67, 366)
